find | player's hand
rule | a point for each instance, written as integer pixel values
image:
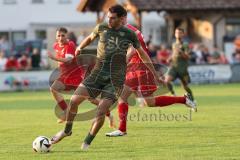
(78, 51)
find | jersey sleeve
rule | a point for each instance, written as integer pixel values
(95, 31)
(142, 42)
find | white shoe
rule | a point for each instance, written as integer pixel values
(59, 136)
(189, 103)
(116, 133)
(85, 146)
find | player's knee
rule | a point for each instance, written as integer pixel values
(75, 100)
(150, 103)
(54, 89)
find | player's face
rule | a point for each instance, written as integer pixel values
(179, 34)
(61, 37)
(113, 20)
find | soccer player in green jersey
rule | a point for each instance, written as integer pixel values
(179, 63)
(108, 75)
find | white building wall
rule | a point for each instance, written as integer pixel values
(26, 16)
(19, 16)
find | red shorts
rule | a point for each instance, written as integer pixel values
(72, 79)
(141, 81)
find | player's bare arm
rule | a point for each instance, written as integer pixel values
(89, 39)
(59, 59)
(130, 53)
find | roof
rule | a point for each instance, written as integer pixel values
(95, 5)
(180, 5)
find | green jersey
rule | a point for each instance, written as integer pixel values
(112, 49)
(108, 74)
(179, 48)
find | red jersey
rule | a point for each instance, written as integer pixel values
(62, 51)
(135, 58)
(70, 73)
(11, 64)
(138, 76)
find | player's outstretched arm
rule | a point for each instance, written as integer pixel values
(85, 43)
(147, 61)
(58, 59)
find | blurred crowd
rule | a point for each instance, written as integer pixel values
(24, 58)
(35, 58)
(199, 54)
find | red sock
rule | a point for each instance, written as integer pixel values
(168, 100)
(63, 105)
(122, 114)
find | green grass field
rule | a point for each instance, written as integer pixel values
(213, 133)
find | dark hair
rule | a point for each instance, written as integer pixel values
(119, 10)
(180, 29)
(62, 29)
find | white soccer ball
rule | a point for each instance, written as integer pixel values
(42, 144)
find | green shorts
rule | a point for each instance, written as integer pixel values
(104, 86)
(180, 73)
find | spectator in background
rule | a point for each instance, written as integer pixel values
(192, 54)
(237, 44)
(163, 55)
(35, 59)
(149, 40)
(205, 55)
(236, 58)
(29, 49)
(152, 52)
(218, 57)
(24, 62)
(72, 37)
(12, 64)
(3, 61)
(198, 51)
(4, 45)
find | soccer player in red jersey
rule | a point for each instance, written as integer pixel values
(140, 81)
(70, 73)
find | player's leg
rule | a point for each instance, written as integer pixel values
(146, 91)
(98, 122)
(168, 81)
(78, 97)
(122, 113)
(56, 89)
(171, 75)
(163, 101)
(185, 79)
(108, 114)
(187, 88)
